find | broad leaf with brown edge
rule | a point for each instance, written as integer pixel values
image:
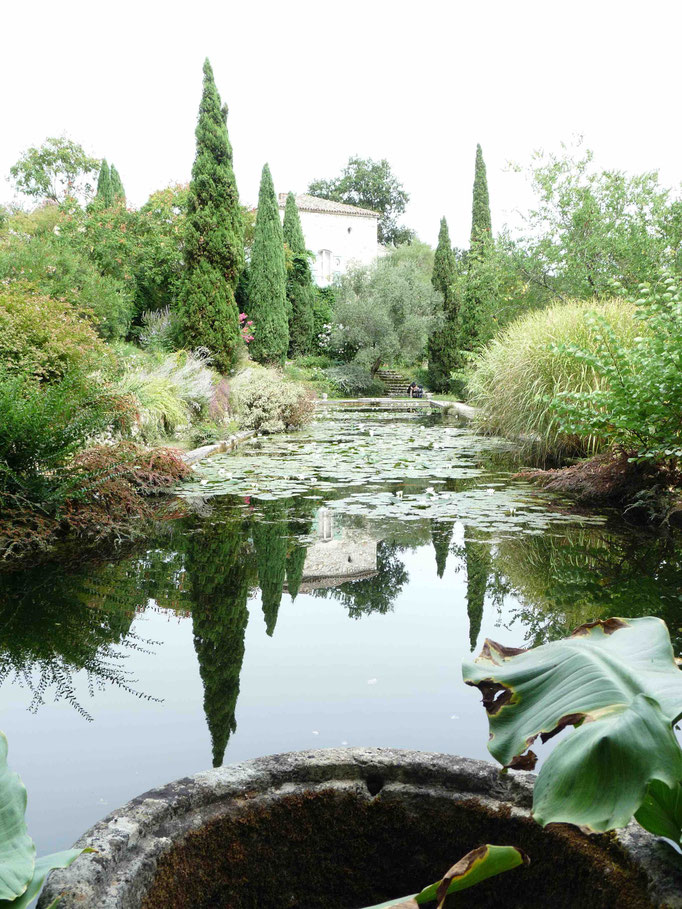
(617, 682)
(476, 866)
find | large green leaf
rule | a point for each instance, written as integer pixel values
(615, 679)
(661, 810)
(476, 866)
(43, 866)
(17, 852)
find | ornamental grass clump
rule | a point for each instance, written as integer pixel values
(528, 367)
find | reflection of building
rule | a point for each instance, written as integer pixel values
(339, 235)
(337, 555)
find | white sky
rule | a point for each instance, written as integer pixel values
(310, 84)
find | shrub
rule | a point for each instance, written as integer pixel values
(353, 380)
(43, 426)
(171, 392)
(635, 403)
(264, 401)
(157, 330)
(524, 369)
(44, 338)
(58, 270)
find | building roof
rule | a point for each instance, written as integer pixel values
(306, 202)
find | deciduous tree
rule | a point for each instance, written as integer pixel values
(370, 184)
(56, 170)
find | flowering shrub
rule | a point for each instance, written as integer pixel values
(264, 401)
(246, 328)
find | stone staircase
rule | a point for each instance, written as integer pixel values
(396, 383)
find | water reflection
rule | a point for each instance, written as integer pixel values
(57, 621)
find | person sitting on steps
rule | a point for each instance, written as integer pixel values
(415, 391)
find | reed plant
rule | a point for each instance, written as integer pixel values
(524, 370)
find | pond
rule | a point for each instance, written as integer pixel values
(320, 589)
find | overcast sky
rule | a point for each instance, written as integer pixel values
(308, 84)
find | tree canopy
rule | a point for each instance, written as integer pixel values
(370, 184)
(300, 290)
(55, 171)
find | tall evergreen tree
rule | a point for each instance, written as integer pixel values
(481, 224)
(300, 290)
(270, 538)
(444, 342)
(268, 280)
(441, 535)
(117, 191)
(214, 242)
(478, 560)
(218, 568)
(104, 190)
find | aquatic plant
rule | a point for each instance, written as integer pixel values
(474, 868)
(616, 681)
(21, 873)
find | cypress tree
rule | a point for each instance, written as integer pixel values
(441, 535)
(217, 564)
(104, 190)
(214, 243)
(270, 538)
(268, 280)
(300, 290)
(481, 224)
(444, 342)
(117, 192)
(477, 555)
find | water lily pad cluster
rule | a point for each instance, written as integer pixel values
(384, 464)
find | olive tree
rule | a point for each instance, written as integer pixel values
(385, 313)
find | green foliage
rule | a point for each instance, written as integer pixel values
(623, 713)
(44, 338)
(444, 341)
(57, 170)
(265, 402)
(104, 194)
(373, 185)
(217, 563)
(353, 380)
(474, 868)
(21, 873)
(384, 313)
(591, 227)
(214, 245)
(53, 265)
(481, 225)
(323, 313)
(117, 192)
(635, 401)
(523, 370)
(267, 297)
(300, 289)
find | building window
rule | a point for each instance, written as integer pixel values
(350, 229)
(337, 261)
(325, 259)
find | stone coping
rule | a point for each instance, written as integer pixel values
(206, 451)
(130, 841)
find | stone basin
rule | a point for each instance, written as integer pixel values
(345, 828)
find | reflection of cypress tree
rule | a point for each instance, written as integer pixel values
(441, 534)
(478, 561)
(218, 568)
(270, 537)
(300, 522)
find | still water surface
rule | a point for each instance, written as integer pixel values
(321, 590)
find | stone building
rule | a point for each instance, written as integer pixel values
(339, 235)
